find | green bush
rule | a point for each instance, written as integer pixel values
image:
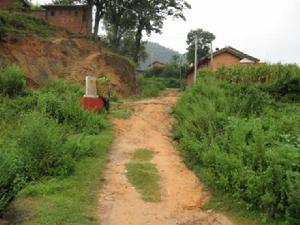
(150, 87)
(11, 108)
(22, 23)
(40, 143)
(44, 134)
(11, 181)
(12, 81)
(237, 129)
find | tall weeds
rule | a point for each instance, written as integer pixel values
(239, 129)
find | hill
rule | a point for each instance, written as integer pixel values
(159, 53)
(47, 53)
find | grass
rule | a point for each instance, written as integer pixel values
(70, 200)
(144, 176)
(236, 129)
(52, 153)
(142, 155)
(23, 24)
(236, 211)
(120, 110)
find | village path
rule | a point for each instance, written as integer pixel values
(182, 194)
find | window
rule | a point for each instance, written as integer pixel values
(52, 13)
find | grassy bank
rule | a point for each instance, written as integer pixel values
(239, 129)
(70, 200)
(23, 24)
(52, 151)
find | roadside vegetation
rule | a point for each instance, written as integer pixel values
(238, 129)
(50, 149)
(23, 24)
(143, 175)
(156, 79)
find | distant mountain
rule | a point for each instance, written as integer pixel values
(159, 53)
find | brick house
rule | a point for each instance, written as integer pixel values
(75, 18)
(225, 57)
(13, 4)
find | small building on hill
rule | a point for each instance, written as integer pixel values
(156, 64)
(225, 57)
(14, 4)
(75, 18)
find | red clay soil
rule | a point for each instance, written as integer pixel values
(183, 195)
(69, 58)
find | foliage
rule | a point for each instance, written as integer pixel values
(151, 87)
(280, 81)
(169, 75)
(69, 200)
(168, 71)
(12, 81)
(22, 24)
(35, 6)
(138, 17)
(43, 135)
(204, 39)
(40, 147)
(10, 182)
(63, 2)
(241, 138)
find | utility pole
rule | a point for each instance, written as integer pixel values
(180, 72)
(211, 55)
(196, 59)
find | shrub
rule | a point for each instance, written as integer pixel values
(44, 134)
(150, 87)
(40, 144)
(236, 131)
(12, 81)
(10, 109)
(11, 181)
(22, 23)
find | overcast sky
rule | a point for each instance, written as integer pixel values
(266, 29)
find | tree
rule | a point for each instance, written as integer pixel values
(204, 40)
(63, 2)
(140, 16)
(118, 21)
(150, 15)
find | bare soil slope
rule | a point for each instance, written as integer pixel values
(182, 194)
(67, 57)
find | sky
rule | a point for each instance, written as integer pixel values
(266, 29)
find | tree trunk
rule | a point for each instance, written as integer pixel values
(115, 36)
(137, 49)
(90, 16)
(97, 22)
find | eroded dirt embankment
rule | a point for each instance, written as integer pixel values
(69, 58)
(182, 194)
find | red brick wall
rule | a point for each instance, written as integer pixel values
(74, 20)
(224, 60)
(7, 4)
(40, 14)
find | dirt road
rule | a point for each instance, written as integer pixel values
(182, 194)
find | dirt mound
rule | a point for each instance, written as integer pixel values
(69, 58)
